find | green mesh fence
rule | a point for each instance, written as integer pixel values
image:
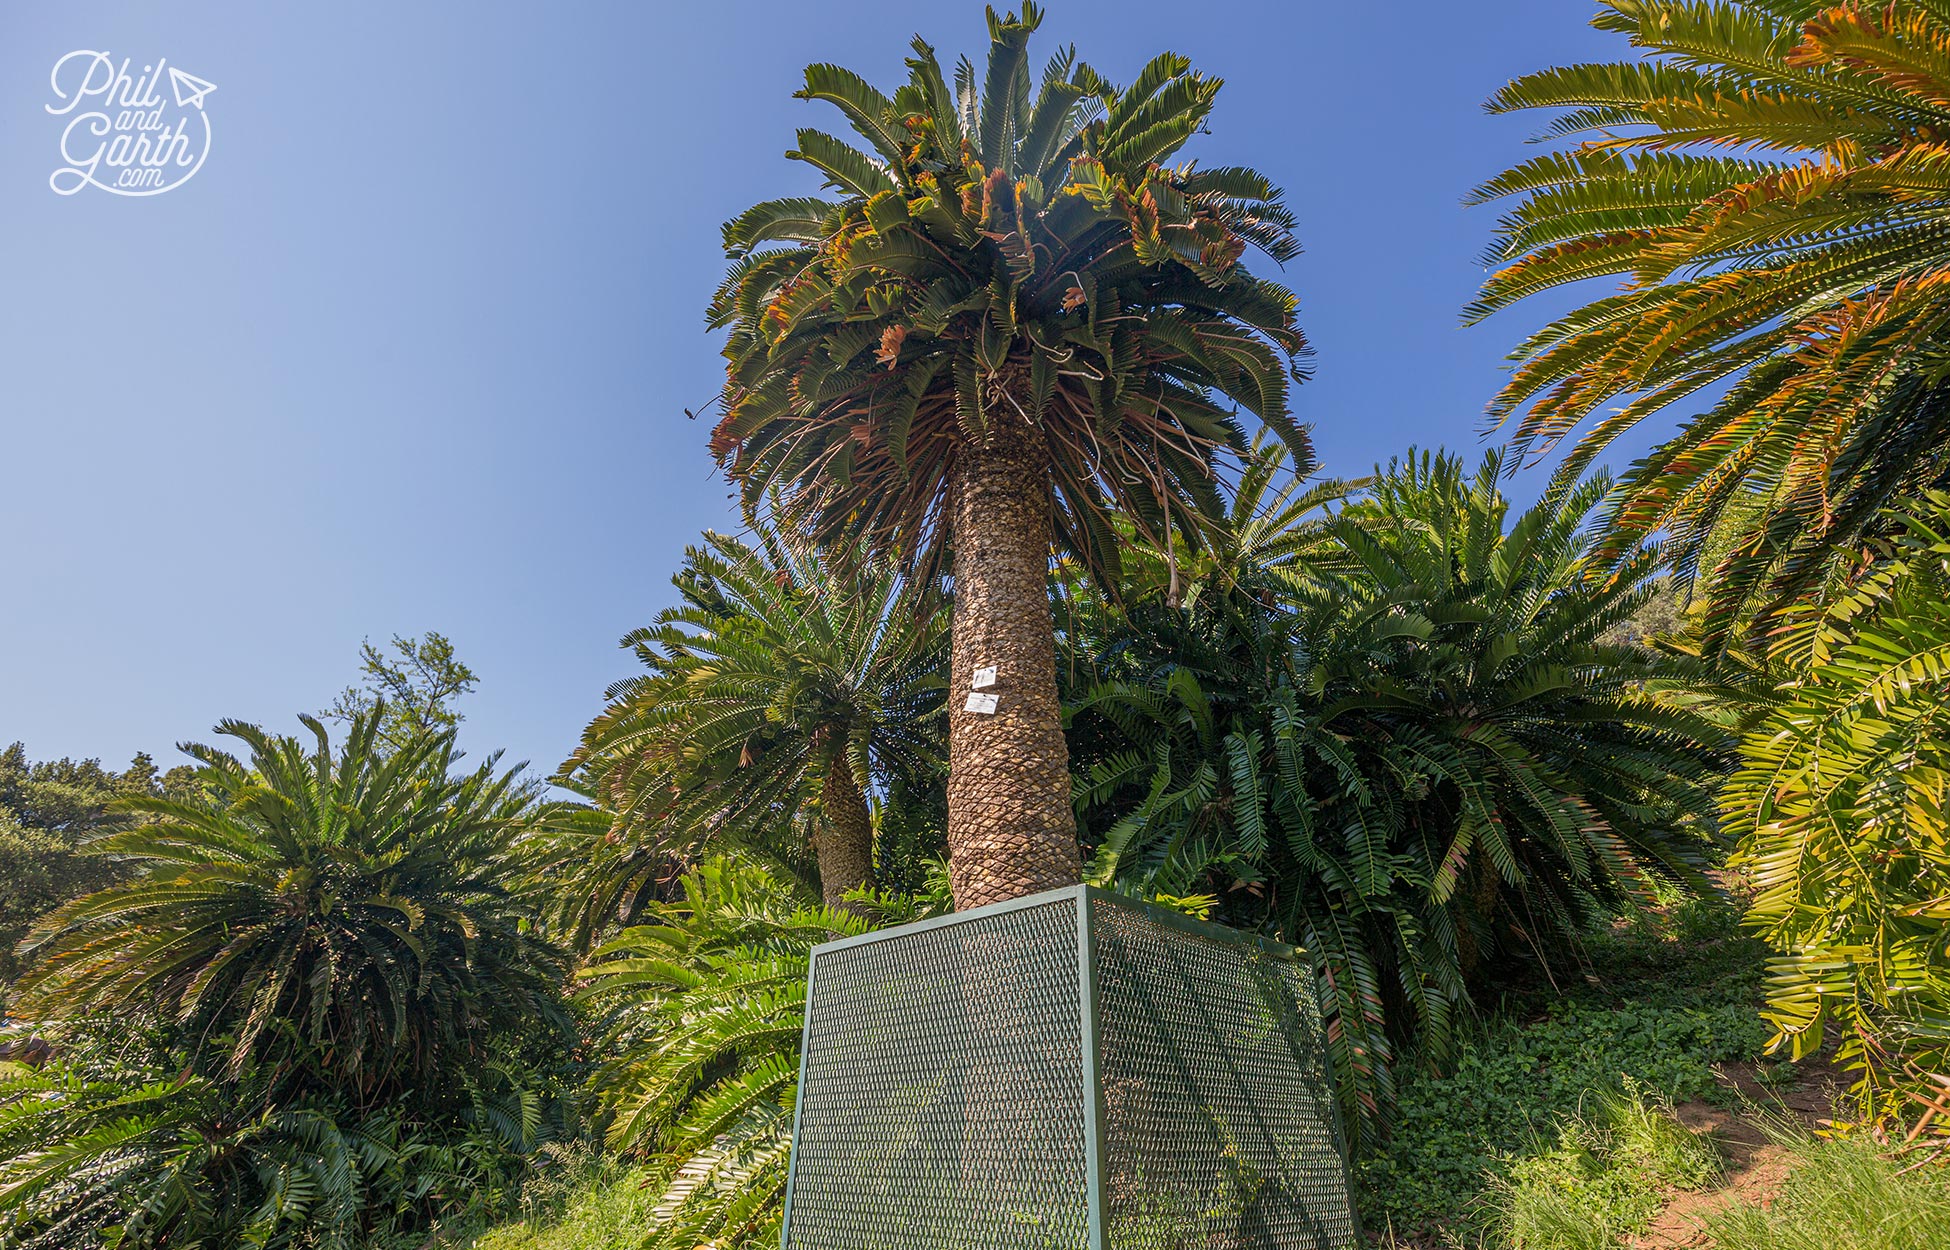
(1072, 1071)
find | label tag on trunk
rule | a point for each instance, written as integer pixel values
(984, 678)
(979, 702)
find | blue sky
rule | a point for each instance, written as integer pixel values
(411, 350)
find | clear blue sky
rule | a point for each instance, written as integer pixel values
(412, 349)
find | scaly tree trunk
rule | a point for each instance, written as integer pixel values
(1011, 831)
(844, 842)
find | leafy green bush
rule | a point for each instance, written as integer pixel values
(1662, 1016)
(50, 811)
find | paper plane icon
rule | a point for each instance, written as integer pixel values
(190, 89)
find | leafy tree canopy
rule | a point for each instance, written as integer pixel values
(416, 681)
(49, 812)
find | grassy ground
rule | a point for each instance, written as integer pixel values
(592, 1207)
(1635, 1109)
(1841, 1195)
(1661, 1009)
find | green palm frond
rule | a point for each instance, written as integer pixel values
(1396, 735)
(704, 1003)
(1839, 805)
(1770, 187)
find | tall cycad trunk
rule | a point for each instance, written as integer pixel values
(844, 841)
(1010, 827)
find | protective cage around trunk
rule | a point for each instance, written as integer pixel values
(1070, 1071)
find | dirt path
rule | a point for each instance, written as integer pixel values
(1756, 1167)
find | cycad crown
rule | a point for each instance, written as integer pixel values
(1003, 255)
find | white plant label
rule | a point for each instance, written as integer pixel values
(123, 134)
(984, 678)
(979, 702)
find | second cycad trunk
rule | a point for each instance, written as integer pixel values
(1010, 827)
(845, 843)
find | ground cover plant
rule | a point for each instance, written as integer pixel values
(1659, 1019)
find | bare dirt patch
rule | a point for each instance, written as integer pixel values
(1756, 1167)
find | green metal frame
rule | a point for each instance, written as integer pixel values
(1095, 1115)
(1090, 990)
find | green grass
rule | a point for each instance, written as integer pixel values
(588, 1206)
(1641, 1134)
(1607, 1175)
(1844, 1195)
(1601, 1179)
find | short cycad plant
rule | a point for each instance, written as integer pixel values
(786, 682)
(342, 917)
(1011, 319)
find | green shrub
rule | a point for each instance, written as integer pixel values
(108, 1146)
(1660, 1018)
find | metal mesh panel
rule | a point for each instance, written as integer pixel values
(1220, 1126)
(941, 1105)
(993, 1080)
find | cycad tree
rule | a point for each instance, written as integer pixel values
(1011, 317)
(319, 1017)
(1479, 648)
(342, 917)
(780, 691)
(1767, 183)
(703, 1005)
(1410, 750)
